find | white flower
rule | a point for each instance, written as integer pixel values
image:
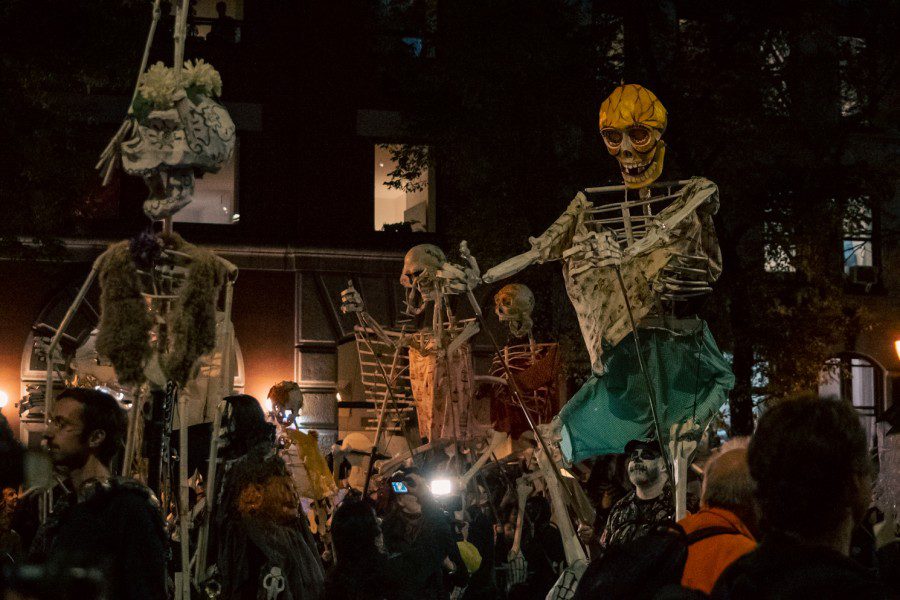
(157, 86)
(202, 75)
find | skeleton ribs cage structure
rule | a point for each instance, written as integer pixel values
(375, 354)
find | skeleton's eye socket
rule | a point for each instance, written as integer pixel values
(613, 137)
(639, 136)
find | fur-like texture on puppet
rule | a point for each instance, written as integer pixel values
(193, 325)
(124, 335)
(125, 323)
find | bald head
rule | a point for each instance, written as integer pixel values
(727, 483)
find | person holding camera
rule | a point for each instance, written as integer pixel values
(418, 537)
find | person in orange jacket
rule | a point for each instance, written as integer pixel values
(727, 505)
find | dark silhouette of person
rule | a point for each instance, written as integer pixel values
(224, 28)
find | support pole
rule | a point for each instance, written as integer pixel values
(651, 394)
(184, 504)
(54, 342)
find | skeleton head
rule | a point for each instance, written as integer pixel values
(632, 121)
(287, 400)
(514, 304)
(419, 270)
(166, 146)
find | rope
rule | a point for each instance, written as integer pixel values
(108, 157)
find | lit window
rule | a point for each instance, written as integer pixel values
(857, 381)
(858, 236)
(217, 21)
(215, 197)
(403, 188)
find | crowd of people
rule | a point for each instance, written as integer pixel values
(784, 514)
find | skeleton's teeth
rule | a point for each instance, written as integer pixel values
(635, 169)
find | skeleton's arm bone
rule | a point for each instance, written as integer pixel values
(395, 462)
(479, 379)
(511, 266)
(547, 246)
(468, 331)
(498, 438)
(705, 194)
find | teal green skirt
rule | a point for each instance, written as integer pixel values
(690, 378)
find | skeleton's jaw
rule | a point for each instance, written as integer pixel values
(639, 174)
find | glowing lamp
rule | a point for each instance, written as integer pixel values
(897, 348)
(4, 399)
(441, 487)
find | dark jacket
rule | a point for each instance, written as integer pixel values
(782, 567)
(117, 528)
(418, 546)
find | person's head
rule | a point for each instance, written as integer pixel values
(509, 531)
(727, 484)
(809, 460)
(537, 509)
(355, 531)
(407, 501)
(220, 8)
(244, 425)
(84, 423)
(10, 498)
(646, 466)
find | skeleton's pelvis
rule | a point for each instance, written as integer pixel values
(444, 390)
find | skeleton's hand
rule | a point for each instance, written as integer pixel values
(524, 487)
(592, 250)
(459, 279)
(585, 533)
(351, 301)
(684, 438)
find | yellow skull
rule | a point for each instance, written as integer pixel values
(632, 121)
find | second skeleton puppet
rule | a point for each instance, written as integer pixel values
(441, 372)
(535, 366)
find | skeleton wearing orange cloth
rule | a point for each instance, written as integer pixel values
(535, 366)
(441, 372)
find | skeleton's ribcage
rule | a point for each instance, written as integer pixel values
(540, 402)
(443, 388)
(687, 252)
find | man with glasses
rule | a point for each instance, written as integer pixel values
(649, 504)
(99, 521)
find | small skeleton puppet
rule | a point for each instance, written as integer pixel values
(535, 366)
(633, 257)
(440, 359)
(299, 450)
(175, 128)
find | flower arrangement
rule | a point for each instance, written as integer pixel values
(202, 77)
(158, 86)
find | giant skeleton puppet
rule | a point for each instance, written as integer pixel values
(163, 325)
(440, 359)
(627, 264)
